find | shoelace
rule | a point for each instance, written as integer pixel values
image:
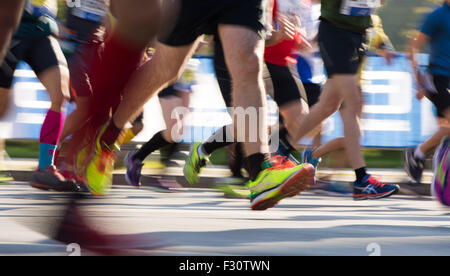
(373, 181)
(281, 162)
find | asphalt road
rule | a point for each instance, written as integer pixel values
(203, 222)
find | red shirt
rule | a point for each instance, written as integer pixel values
(281, 53)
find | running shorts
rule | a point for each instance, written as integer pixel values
(438, 91)
(342, 51)
(198, 17)
(41, 53)
(313, 91)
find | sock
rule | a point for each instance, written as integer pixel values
(419, 154)
(360, 174)
(216, 141)
(202, 152)
(153, 144)
(254, 164)
(109, 74)
(111, 134)
(284, 147)
(126, 137)
(49, 137)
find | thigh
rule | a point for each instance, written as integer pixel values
(13, 56)
(250, 14)
(243, 48)
(45, 54)
(189, 19)
(441, 95)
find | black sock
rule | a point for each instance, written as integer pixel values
(284, 147)
(153, 144)
(111, 134)
(254, 164)
(360, 174)
(216, 141)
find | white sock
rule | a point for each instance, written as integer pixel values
(419, 154)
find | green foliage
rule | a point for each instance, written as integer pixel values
(400, 17)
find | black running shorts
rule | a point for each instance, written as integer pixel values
(342, 51)
(440, 97)
(198, 17)
(313, 91)
(41, 53)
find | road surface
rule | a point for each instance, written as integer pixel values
(203, 222)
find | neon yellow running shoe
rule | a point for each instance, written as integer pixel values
(193, 164)
(278, 182)
(99, 171)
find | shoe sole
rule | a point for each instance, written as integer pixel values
(376, 196)
(64, 188)
(295, 184)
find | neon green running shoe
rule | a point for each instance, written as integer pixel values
(99, 171)
(278, 182)
(193, 164)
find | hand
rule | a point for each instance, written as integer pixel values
(286, 31)
(386, 54)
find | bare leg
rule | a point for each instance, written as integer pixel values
(330, 146)
(244, 60)
(10, 13)
(329, 103)
(77, 118)
(433, 141)
(173, 125)
(150, 78)
(4, 101)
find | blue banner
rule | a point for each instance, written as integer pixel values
(392, 116)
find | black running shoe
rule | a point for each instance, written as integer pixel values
(414, 166)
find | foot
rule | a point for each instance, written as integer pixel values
(278, 182)
(413, 166)
(99, 171)
(134, 167)
(372, 188)
(193, 164)
(51, 179)
(79, 181)
(308, 158)
(75, 229)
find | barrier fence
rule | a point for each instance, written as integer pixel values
(392, 116)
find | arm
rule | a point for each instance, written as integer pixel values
(417, 41)
(10, 13)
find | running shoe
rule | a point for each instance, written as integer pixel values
(372, 188)
(51, 179)
(99, 171)
(308, 158)
(79, 181)
(134, 167)
(442, 172)
(414, 166)
(279, 181)
(193, 164)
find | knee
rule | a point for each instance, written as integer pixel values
(246, 68)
